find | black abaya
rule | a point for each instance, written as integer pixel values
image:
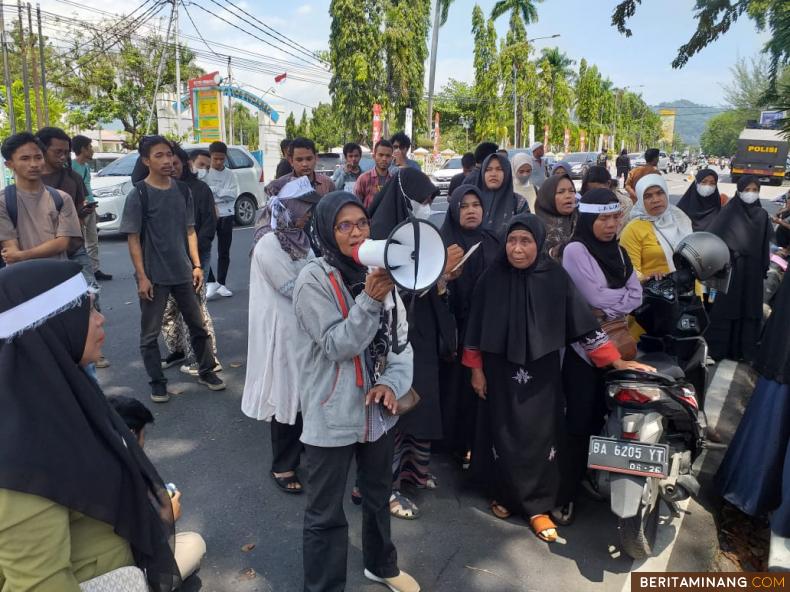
(520, 319)
(736, 316)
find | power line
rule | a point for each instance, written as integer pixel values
(286, 38)
(215, 15)
(194, 26)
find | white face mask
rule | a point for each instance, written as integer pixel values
(749, 196)
(421, 211)
(201, 173)
(523, 179)
(705, 190)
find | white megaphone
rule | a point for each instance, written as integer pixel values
(413, 255)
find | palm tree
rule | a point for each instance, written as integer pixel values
(526, 8)
(441, 10)
(559, 67)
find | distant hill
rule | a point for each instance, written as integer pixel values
(690, 119)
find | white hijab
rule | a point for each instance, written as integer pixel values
(527, 189)
(671, 227)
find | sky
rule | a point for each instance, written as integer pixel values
(641, 62)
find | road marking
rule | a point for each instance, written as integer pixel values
(666, 538)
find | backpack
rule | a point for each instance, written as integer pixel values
(142, 191)
(12, 206)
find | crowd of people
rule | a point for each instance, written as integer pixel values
(500, 363)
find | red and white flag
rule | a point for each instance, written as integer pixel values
(280, 77)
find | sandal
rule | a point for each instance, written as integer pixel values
(356, 496)
(499, 510)
(564, 515)
(402, 507)
(544, 528)
(431, 482)
(284, 482)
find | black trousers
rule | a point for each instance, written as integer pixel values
(286, 446)
(325, 547)
(152, 313)
(224, 240)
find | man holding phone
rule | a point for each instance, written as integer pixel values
(83, 152)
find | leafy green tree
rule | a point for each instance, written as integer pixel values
(722, 131)
(486, 76)
(303, 129)
(245, 125)
(405, 49)
(326, 128)
(56, 108)
(750, 81)
(111, 74)
(290, 126)
(525, 8)
(455, 100)
(355, 53)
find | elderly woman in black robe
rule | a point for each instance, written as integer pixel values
(525, 309)
(463, 226)
(432, 335)
(736, 317)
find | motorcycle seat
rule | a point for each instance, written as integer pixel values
(664, 364)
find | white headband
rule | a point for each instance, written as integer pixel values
(38, 309)
(588, 208)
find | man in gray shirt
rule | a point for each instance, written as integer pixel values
(159, 221)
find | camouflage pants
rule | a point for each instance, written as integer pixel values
(175, 331)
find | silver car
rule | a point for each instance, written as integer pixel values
(442, 177)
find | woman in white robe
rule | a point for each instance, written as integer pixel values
(281, 248)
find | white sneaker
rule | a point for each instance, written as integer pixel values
(403, 582)
(211, 290)
(223, 291)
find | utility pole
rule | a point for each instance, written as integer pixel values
(434, 45)
(34, 62)
(515, 106)
(25, 84)
(178, 70)
(44, 97)
(9, 93)
(159, 74)
(230, 105)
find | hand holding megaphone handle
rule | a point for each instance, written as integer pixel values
(389, 301)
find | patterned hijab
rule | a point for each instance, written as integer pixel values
(294, 201)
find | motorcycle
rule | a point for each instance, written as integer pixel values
(655, 429)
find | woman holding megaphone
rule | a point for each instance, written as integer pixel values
(432, 335)
(350, 382)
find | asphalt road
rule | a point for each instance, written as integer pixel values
(220, 461)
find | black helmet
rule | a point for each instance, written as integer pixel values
(707, 257)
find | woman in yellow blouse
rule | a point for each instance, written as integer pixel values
(655, 230)
(78, 498)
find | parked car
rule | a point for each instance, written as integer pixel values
(101, 160)
(114, 182)
(580, 162)
(442, 176)
(327, 163)
(637, 159)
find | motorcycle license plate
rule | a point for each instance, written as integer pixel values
(629, 457)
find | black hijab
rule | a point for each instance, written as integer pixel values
(525, 314)
(773, 357)
(499, 205)
(746, 228)
(391, 205)
(611, 257)
(701, 210)
(454, 234)
(324, 230)
(61, 440)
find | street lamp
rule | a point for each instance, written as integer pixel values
(515, 99)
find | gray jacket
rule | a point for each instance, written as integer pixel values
(333, 406)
